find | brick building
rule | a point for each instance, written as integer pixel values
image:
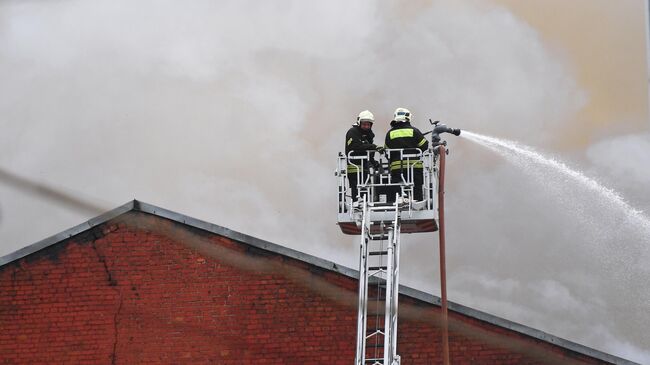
(144, 285)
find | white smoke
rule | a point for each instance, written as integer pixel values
(233, 112)
(623, 161)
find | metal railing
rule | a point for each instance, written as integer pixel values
(375, 181)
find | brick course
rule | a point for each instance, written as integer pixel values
(141, 289)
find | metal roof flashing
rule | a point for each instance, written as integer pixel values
(139, 206)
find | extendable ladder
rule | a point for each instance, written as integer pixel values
(378, 286)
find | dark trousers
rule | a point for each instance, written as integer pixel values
(352, 179)
(418, 181)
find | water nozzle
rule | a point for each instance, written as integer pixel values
(441, 128)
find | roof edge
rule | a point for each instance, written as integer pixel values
(244, 238)
(136, 205)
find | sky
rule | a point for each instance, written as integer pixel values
(234, 111)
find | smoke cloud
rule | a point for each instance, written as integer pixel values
(233, 112)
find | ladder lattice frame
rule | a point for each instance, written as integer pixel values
(388, 271)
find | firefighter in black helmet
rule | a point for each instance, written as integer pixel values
(359, 140)
(404, 136)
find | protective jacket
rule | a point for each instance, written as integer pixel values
(359, 141)
(403, 135)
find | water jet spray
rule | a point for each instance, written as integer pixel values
(524, 156)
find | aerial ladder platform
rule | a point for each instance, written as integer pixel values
(380, 220)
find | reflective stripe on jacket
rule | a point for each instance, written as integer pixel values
(404, 164)
(353, 169)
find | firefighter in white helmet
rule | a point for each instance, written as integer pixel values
(358, 141)
(404, 136)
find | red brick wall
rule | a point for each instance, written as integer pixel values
(144, 290)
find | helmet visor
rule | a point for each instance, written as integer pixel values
(402, 114)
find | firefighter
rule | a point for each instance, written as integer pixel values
(404, 136)
(359, 140)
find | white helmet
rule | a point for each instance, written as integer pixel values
(402, 115)
(365, 116)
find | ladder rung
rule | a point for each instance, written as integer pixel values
(382, 206)
(376, 329)
(380, 344)
(377, 268)
(378, 237)
(378, 253)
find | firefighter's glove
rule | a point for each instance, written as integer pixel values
(381, 149)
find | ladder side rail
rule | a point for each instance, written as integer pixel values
(395, 293)
(379, 351)
(389, 288)
(363, 288)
